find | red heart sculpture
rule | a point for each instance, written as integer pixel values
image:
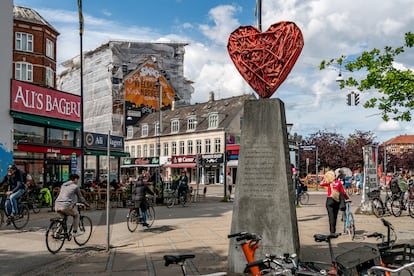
(265, 59)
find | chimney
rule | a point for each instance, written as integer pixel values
(211, 96)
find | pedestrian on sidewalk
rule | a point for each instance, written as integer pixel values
(229, 182)
(335, 187)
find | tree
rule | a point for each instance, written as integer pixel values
(355, 142)
(396, 86)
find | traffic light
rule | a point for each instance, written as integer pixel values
(349, 99)
(356, 98)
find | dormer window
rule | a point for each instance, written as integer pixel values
(157, 128)
(175, 126)
(191, 123)
(130, 132)
(144, 130)
(213, 120)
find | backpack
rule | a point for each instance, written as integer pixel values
(395, 189)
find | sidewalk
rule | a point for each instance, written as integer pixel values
(141, 253)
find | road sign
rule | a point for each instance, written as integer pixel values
(308, 148)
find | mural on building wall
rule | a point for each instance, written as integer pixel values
(142, 91)
(6, 158)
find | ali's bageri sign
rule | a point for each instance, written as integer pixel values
(29, 98)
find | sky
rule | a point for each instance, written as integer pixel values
(312, 98)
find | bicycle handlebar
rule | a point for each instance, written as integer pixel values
(245, 236)
(375, 235)
(404, 267)
(387, 223)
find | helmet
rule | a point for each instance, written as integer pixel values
(12, 167)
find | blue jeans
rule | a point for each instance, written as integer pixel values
(11, 202)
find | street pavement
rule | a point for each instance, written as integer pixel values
(177, 231)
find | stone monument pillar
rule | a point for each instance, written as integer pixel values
(264, 200)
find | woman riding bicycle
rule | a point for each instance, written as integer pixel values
(140, 190)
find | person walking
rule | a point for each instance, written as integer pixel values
(335, 187)
(140, 190)
(229, 182)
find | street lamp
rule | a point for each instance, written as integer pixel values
(159, 85)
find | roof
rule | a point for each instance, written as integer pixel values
(30, 15)
(227, 109)
(402, 139)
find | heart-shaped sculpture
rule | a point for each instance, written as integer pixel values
(265, 59)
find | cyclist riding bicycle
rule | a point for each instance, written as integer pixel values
(183, 184)
(141, 190)
(15, 190)
(66, 202)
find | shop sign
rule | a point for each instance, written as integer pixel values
(180, 159)
(141, 161)
(43, 149)
(33, 99)
(100, 141)
(212, 158)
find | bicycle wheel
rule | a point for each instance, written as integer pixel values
(377, 207)
(188, 199)
(23, 218)
(350, 190)
(411, 208)
(55, 236)
(36, 204)
(396, 207)
(85, 225)
(171, 201)
(150, 216)
(350, 227)
(132, 220)
(304, 198)
(388, 202)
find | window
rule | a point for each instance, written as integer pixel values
(173, 148)
(182, 148)
(50, 49)
(217, 145)
(24, 42)
(166, 149)
(190, 147)
(151, 150)
(60, 137)
(28, 134)
(139, 153)
(175, 126)
(23, 71)
(132, 151)
(198, 146)
(157, 129)
(50, 77)
(144, 151)
(130, 132)
(213, 120)
(144, 132)
(127, 149)
(207, 146)
(191, 124)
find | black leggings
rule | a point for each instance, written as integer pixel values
(332, 207)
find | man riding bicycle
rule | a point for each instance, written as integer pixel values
(141, 190)
(183, 184)
(66, 202)
(16, 189)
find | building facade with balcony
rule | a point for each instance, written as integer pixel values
(201, 138)
(400, 144)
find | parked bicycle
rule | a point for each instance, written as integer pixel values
(22, 219)
(181, 261)
(184, 199)
(58, 231)
(134, 217)
(380, 207)
(399, 204)
(303, 197)
(349, 221)
(32, 199)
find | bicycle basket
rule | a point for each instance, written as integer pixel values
(374, 194)
(357, 260)
(398, 254)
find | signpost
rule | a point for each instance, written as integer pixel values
(310, 148)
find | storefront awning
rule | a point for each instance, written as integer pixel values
(102, 152)
(47, 121)
(181, 165)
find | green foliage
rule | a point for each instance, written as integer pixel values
(396, 87)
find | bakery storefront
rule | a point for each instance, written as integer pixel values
(46, 132)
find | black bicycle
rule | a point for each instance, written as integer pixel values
(22, 217)
(58, 231)
(134, 218)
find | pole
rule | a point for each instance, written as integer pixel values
(159, 141)
(108, 190)
(259, 14)
(316, 164)
(225, 167)
(82, 176)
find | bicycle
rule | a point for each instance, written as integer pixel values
(184, 199)
(134, 218)
(407, 267)
(303, 198)
(22, 219)
(33, 201)
(181, 261)
(58, 231)
(349, 221)
(399, 204)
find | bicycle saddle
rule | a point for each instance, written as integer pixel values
(323, 237)
(175, 259)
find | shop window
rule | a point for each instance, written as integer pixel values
(28, 134)
(60, 137)
(23, 71)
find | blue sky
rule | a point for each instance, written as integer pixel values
(331, 28)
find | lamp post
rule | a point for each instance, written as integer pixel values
(159, 85)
